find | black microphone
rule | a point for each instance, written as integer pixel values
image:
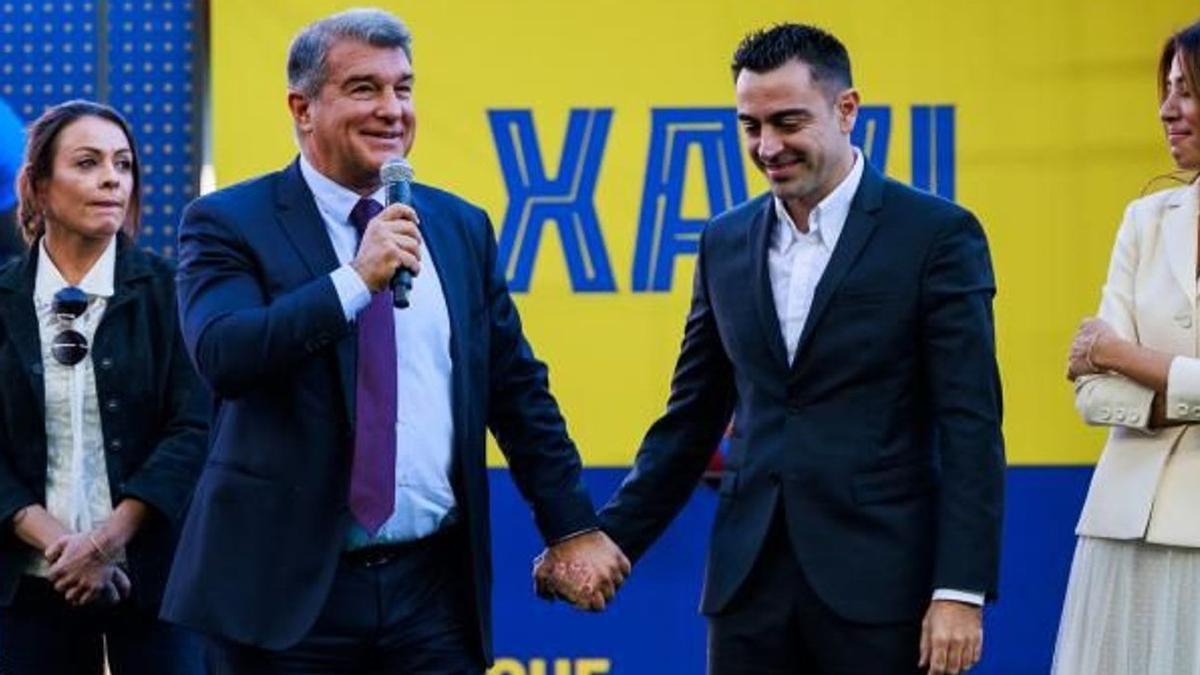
(396, 174)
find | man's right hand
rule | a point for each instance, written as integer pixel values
(585, 570)
(390, 241)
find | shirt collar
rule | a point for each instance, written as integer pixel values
(333, 199)
(98, 281)
(826, 220)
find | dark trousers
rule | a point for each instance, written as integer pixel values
(40, 634)
(401, 611)
(776, 624)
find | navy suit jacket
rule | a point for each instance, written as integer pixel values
(881, 439)
(267, 332)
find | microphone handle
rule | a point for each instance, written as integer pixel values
(400, 192)
(401, 285)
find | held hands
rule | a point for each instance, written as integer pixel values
(1093, 336)
(951, 637)
(81, 571)
(390, 241)
(586, 570)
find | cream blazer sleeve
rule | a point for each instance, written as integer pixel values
(1113, 399)
(1147, 482)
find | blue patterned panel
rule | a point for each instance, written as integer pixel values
(48, 53)
(151, 81)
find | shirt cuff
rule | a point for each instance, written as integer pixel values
(580, 533)
(968, 597)
(352, 291)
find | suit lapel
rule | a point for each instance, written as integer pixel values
(447, 248)
(446, 253)
(129, 269)
(860, 224)
(16, 306)
(759, 234)
(1179, 232)
(302, 225)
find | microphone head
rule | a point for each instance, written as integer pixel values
(395, 170)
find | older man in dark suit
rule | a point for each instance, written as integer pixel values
(341, 523)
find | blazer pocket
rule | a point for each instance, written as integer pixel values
(238, 473)
(894, 483)
(857, 297)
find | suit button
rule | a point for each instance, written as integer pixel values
(794, 409)
(1120, 415)
(1184, 320)
(35, 368)
(1196, 411)
(1103, 413)
(106, 363)
(1134, 418)
(112, 405)
(115, 445)
(1181, 409)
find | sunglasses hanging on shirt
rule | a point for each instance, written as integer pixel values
(69, 346)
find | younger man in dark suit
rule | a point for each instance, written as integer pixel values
(846, 320)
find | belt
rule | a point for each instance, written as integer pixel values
(376, 555)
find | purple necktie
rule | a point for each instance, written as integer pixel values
(373, 472)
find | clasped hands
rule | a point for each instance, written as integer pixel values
(585, 570)
(83, 573)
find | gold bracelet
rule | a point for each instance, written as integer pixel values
(1087, 356)
(104, 557)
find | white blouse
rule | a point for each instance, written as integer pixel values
(77, 490)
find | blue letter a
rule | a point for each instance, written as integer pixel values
(663, 232)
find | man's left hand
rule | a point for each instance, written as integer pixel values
(586, 570)
(951, 637)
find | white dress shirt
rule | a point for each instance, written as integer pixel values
(796, 261)
(77, 490)
(424, 422)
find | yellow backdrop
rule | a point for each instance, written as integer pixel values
(1055, 120)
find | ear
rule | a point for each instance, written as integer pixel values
(846, 108)
(29, 190)
(301, 109)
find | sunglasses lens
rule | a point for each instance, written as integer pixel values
(69, 347)
(70, 302)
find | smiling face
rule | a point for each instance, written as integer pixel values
(88, 192)
(1180, 115)
(797, 131)
(362, 116)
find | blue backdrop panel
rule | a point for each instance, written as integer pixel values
(151, 66)
(135, 56)
(654, 627)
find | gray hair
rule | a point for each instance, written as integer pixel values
(309, 50)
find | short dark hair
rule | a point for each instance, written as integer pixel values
(1186, 45)
(767, 49)
(38, 166)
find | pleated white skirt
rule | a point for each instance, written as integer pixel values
(1131, 608)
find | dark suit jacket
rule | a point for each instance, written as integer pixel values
(264, 325)
(882, 438)
(153, 411)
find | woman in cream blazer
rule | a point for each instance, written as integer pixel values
(1133, 600)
